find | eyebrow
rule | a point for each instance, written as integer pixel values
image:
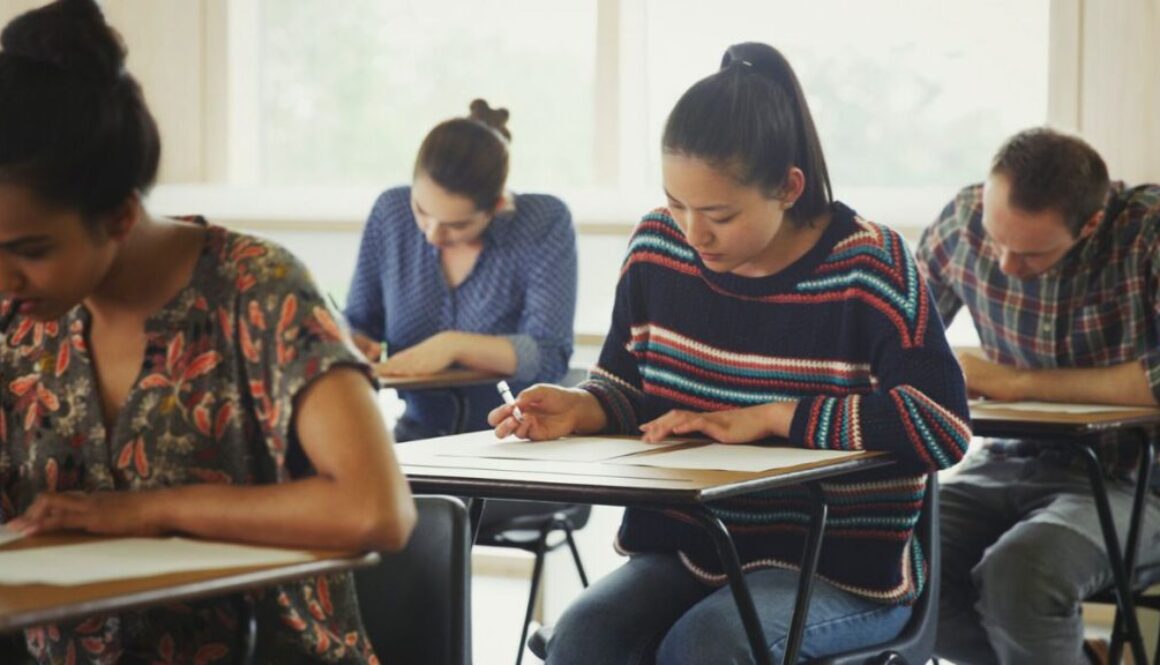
(26, 241)
(458, 222)
(716, 207)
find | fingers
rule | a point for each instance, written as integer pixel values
(660, 429)
(53, 512)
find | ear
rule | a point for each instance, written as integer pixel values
(123, 218)
(791, 190)
(1089, 227)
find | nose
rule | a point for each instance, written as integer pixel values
(1010, 264)
(11, 280)
(697, 231)
(435, 233)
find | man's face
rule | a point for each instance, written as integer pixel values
(1026, 244)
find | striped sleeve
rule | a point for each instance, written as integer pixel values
(917, 409)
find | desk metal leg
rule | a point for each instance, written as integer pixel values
(460, 422)
(809, 565)
(248, 625)
(475, 516)
(1131, 552)
(818, 513)
(729, 560)
(1124, 601)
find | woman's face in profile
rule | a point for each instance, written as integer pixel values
(50, 260)
(446, 219)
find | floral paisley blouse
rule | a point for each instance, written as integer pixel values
(213, 403)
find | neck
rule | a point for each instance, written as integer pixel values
(144, 275)
(791, 242)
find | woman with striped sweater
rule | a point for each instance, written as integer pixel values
(754, 307)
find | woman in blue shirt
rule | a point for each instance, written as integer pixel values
(456, 270)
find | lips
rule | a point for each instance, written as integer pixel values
(710, 258)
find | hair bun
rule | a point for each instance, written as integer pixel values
(762, 58)
(495, 118)
(71, 35)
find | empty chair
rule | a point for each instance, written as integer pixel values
(416, 604)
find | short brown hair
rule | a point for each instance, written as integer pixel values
(469, 156)
(1051, 170)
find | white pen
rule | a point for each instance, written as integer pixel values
(506, 393)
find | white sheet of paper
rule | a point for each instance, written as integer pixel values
(125, 558)
(568, 449)
(1051, 407)
(735, 458)
(8, 535)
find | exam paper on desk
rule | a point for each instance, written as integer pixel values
(732, 457)
(8, 535)
(567, 449)
(125, 558)
(1050, 407)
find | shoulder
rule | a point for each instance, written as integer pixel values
(393, 203)
(247, 262)
(542, 216)
(885, 247)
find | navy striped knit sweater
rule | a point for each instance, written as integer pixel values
(850, 331)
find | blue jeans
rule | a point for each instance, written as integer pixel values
(652, 610)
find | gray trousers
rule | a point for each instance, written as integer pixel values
(1021, 549)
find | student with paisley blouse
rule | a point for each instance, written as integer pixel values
(157, 375)
(457, 270)
(755, 307)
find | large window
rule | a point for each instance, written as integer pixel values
(348, 89)
(911, 98)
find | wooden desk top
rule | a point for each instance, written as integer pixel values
(27, 605)
(451, 378)
(602, 483)
(995, 420)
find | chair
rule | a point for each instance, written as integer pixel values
(416, 604)
(529, 525)
(914, 645)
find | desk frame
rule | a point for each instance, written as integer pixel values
(28, 605)
(686, 491)
(1083, 431)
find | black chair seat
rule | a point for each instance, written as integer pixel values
(416, 604)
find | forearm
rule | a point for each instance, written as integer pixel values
(491, 353)
(1126, 383)
(312, 512)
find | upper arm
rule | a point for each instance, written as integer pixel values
(364, 302)
(550, 302)
(341, 429)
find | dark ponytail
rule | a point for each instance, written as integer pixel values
(74, 126)
(469, 156)
(751, 117)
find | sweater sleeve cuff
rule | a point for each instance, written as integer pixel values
(527, 358)
(618, 409)
(800, 425)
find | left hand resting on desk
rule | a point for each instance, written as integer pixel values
(991, 380)
(731, 426)
(434, 354)
(114, 513)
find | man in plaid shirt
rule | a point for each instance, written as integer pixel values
(1060, 271)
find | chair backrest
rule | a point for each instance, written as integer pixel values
(416, 604)
(915, 644)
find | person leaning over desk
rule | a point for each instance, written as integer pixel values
(158, 374)
(1060, 271)
(754, 306)
(457, 270)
